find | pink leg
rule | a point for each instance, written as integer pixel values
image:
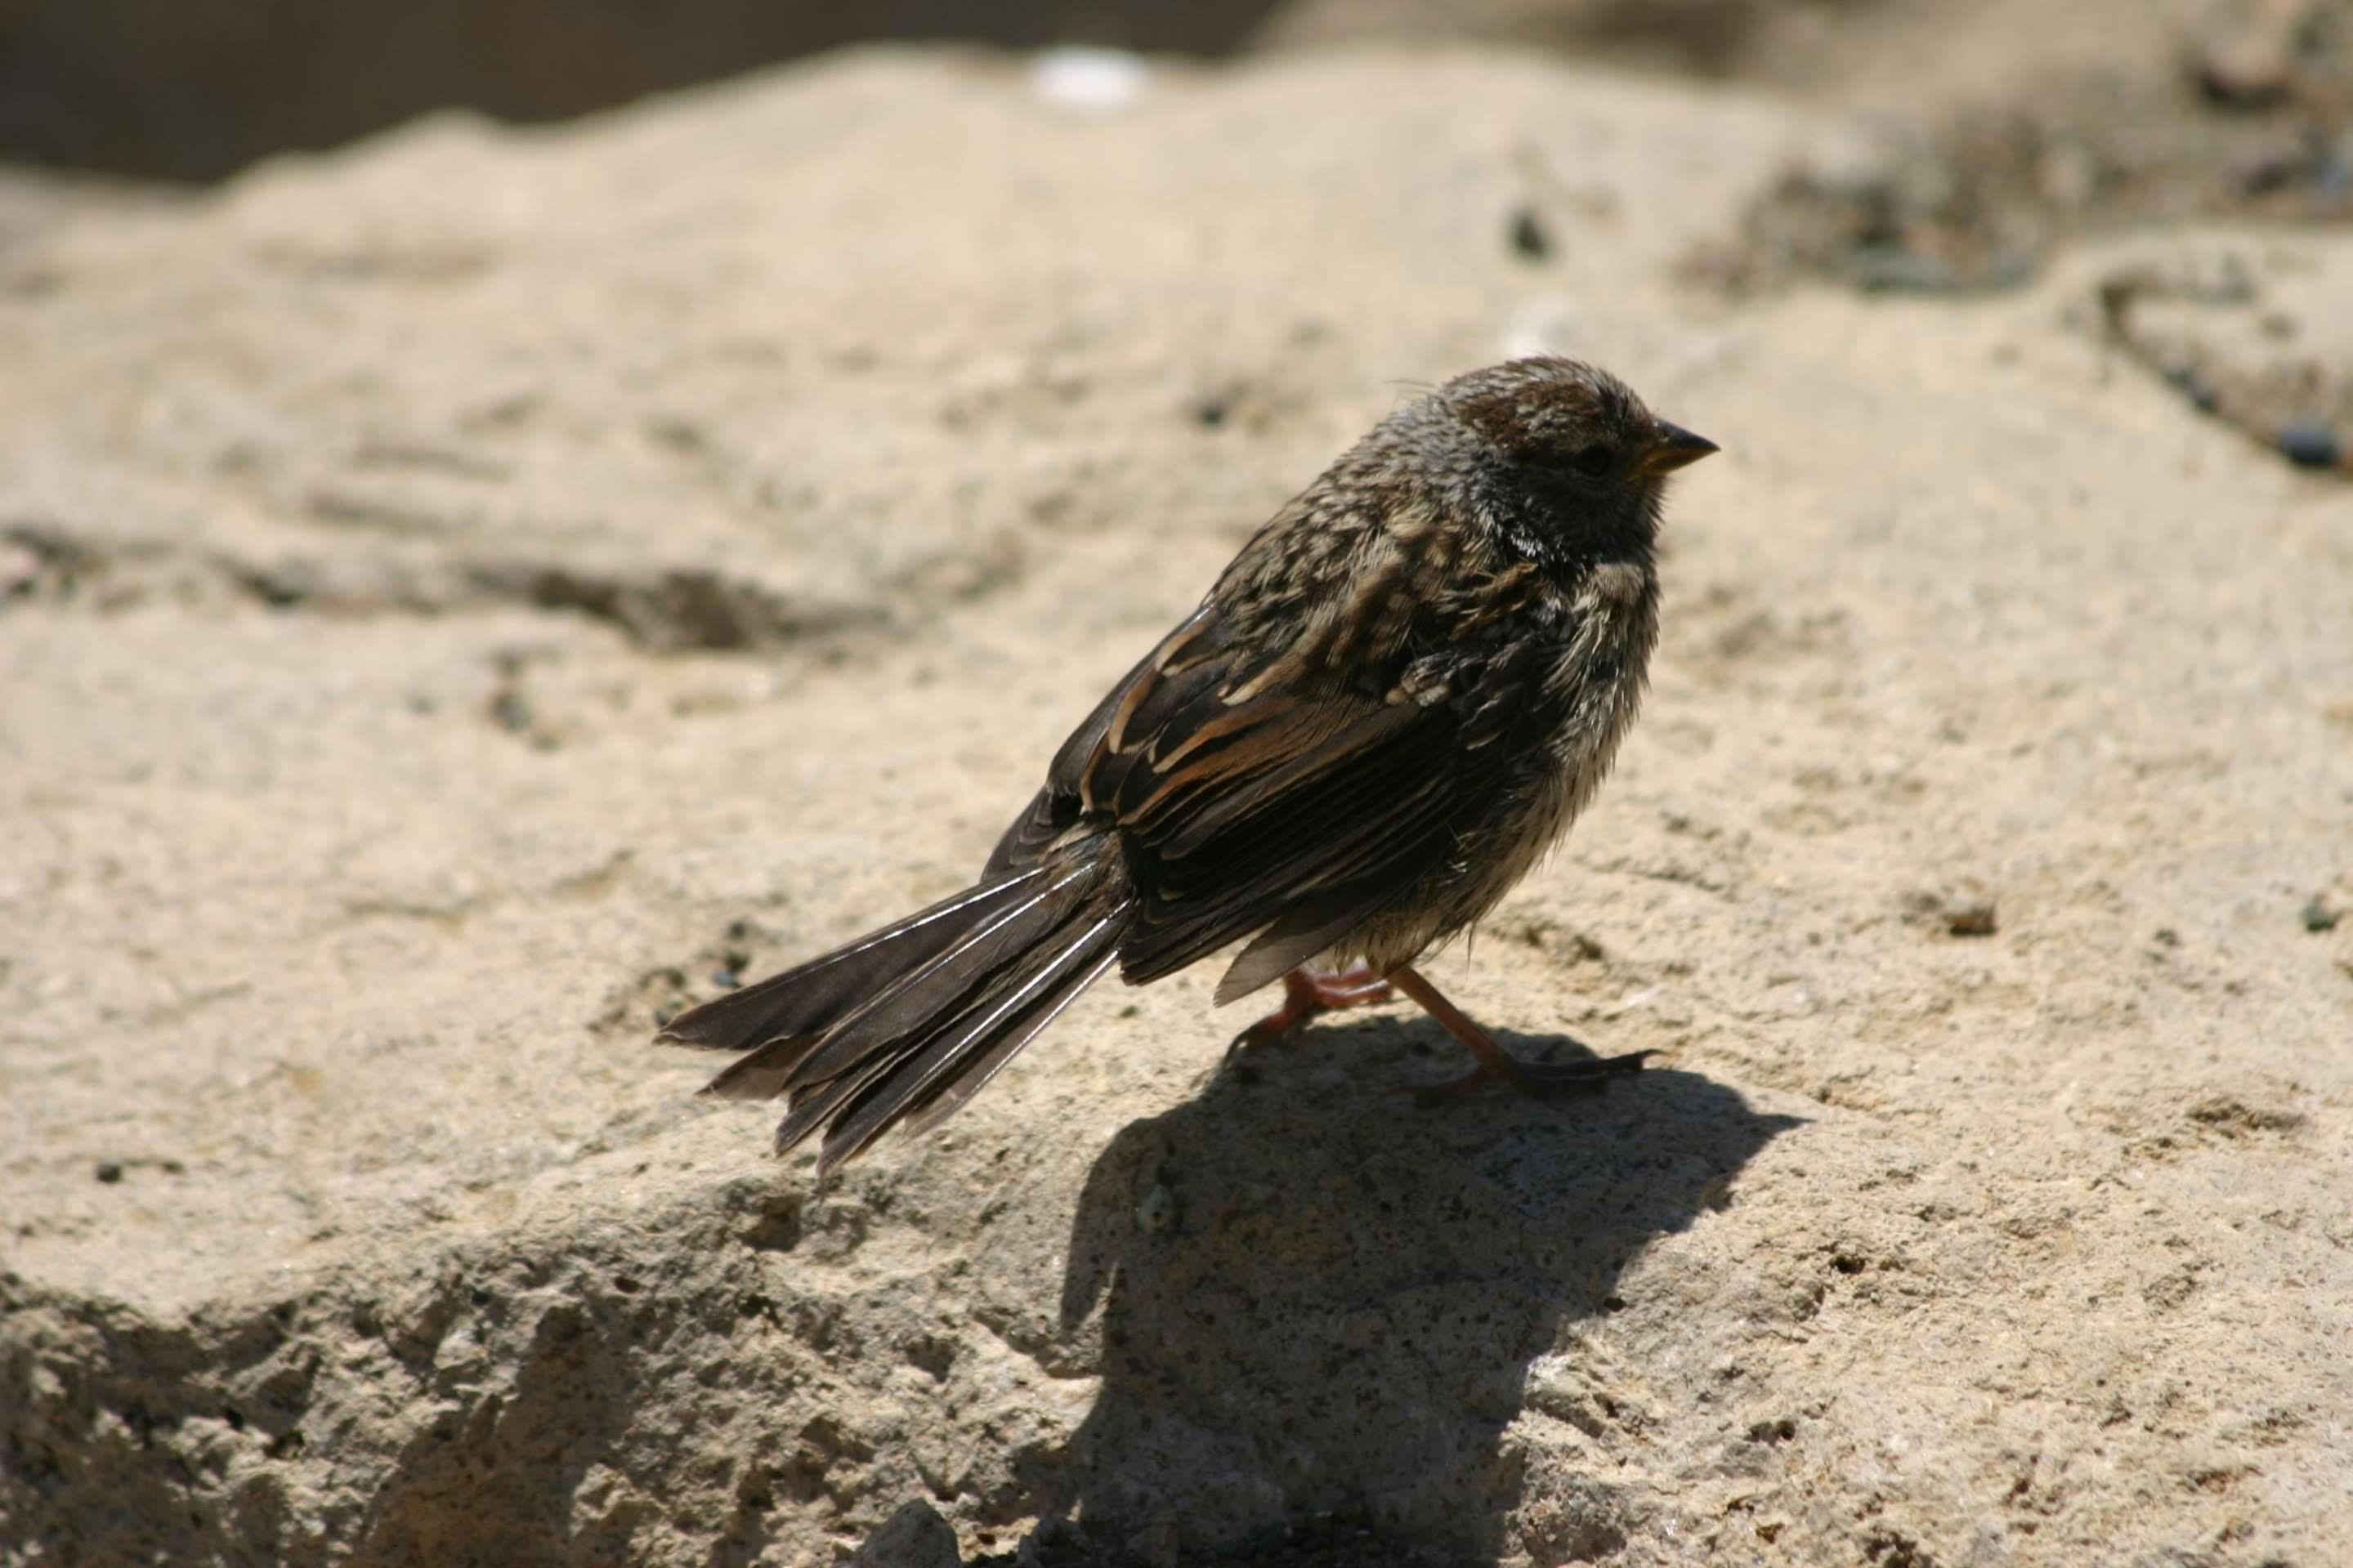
(1305, 996)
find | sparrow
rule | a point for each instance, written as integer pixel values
(1393, 702)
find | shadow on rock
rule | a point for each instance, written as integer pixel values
(1321, 1301)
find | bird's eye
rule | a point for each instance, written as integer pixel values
(1594, 461)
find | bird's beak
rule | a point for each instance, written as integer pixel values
(1673, 448)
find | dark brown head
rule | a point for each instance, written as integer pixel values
(1574, 463)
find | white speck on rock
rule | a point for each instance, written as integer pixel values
(1088, 79)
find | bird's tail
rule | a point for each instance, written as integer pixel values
(908, 1022)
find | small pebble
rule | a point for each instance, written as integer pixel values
(1970, 917)
(2310, 444)
(110, 1172)
(1964, 908)
(510, 712)
(1529, 241)
(1155, 1211)
(2318, 915)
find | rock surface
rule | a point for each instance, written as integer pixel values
(468, 594)
(2251, 333)
(1990, 144)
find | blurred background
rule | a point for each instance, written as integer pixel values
(1997, 126)
(193, 89)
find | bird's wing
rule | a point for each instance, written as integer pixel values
(1056, 808)
(1273, 794)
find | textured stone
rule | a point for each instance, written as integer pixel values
(469, 594)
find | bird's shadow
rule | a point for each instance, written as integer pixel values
(1319, 1300)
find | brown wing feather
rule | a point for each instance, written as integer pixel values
(1253, 792)
(1340, 826)
(1056, 808)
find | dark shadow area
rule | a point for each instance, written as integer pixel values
(193, 89)
(1321, 1300)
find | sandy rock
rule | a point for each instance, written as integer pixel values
(473, 594)
(914, 1537)
(2244, 52)
(1980, 147)
(2248, 332)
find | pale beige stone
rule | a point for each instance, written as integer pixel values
(470, 590)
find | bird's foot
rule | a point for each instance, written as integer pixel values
(1538, 1080)
(1305, 996)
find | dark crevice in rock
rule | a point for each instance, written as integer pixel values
(662, 610)
(670, 610)
(37, 562)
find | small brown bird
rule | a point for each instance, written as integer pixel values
(1395, 700)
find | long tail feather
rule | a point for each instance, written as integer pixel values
(967, 1051)
(805, 1001)
(909, 1022)
(969, 1078)
(897, 1000)
(938, 988)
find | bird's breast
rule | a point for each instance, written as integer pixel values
(1596, 662)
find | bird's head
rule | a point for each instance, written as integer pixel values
(1576, 460)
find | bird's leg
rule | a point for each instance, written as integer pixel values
(1496, 1065)
(1305, 995)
